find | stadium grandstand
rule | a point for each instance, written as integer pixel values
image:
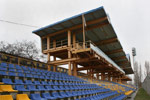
(88, 45)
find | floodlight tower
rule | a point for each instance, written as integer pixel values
(133, 54)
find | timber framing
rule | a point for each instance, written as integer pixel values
(87, 39)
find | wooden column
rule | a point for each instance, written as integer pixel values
(74, 69)
(74, 40)
(69, 52)
(114, 79)
(83, 23)
(48, 60)
(18, 61)
(54, 69)
(54, 43)
(103, 76)
(48, 54)
(97, 76)
(109, 76)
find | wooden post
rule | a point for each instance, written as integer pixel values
(97, 76)
(54, 69)
(74, 69)
(18, 61)
(48, 60)
(103, 76)
(54, 43)
(69, 52)
(109, 76)
(74, 40)
(48, 43)
(48, 54)
(83, 22)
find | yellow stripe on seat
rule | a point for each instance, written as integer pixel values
(22, 97)
(6, 97)
(7, 88)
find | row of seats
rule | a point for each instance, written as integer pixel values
(18, 97)
(35, 73)
(47, 85)
(26, 82)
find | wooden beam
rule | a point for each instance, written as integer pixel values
(107, 41)
(64, 61)
(77, 26)
(89, 67)
(118, 58)
(91, 27)
(122, 62)
(114, 51)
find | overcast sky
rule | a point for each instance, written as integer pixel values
(130, 19)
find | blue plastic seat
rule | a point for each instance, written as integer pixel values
(36, 82)
(11, 70)
(35, 76)
(7, 81)
(3, 68)
(20, 88)
(27, 72)
(3, 64)
(48, 96)
(56, 88)
(11, 74)
(21, 75)
(17, 81)
(11, 66)
(49, 88)
(32, 88)
(3, 73)
(19, 71)
(29, 75)
(63, 94)
(44, 83)
(37, 96)
(41, 88)
(55, 94)
(28, 82)
(18, 67)
(41, 77)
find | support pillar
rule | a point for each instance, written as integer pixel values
(74, 40)
(74, 69)
(97, 76)
(54, 69)
(69, 52)
(48, 54)
(109, 76)
(102, 76)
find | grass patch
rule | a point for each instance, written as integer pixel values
(142, 95)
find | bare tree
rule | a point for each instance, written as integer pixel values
(27, 49)
(137, 74)
(147, 68)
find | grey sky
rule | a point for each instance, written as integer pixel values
(130, 19)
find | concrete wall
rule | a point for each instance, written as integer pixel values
(146, 84)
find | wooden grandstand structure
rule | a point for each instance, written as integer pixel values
(88, 40)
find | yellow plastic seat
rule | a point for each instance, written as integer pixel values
(1, 83)
(6, 97)
(22, 97)
(7, 88)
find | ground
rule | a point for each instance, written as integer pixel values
(142, 95)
